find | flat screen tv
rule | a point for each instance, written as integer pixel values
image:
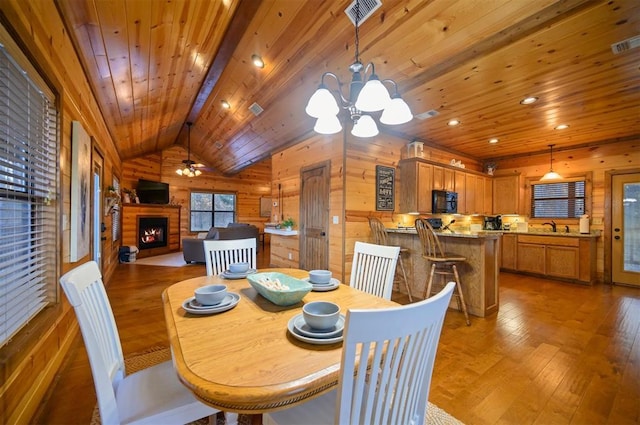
(150, 192)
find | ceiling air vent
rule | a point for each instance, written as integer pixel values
(426, 115)
(256, 109)
(366, 9)
(624, 45)
(218, 145)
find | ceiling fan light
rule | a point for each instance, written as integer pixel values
(374, 96)
(396, 112)
(179, 171)
(322, 103)
(328, 124)
(365, 127)
(197, 172)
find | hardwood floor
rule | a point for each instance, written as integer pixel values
(555, 353)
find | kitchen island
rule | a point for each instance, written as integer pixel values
(479, 274)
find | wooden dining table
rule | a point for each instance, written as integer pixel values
(245, 360)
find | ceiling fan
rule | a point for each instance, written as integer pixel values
(190, 168)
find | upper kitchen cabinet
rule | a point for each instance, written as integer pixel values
(416, 184)
(443, 178)
(507, 193)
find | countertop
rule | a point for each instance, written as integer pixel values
(495, 233)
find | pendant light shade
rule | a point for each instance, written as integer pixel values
(365, 127)
(322, 103)
(328, 124)
(374, 96)
(397, 112)
(551, 175)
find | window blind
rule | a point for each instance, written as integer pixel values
(28, 188)
(558, 200)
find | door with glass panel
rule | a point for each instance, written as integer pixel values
(625, 229)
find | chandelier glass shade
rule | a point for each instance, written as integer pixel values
(365, 95)
(551, 175)
(188, 169)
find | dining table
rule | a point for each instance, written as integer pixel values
(245, 359)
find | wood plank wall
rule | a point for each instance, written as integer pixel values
(29, 362)
(249, 185)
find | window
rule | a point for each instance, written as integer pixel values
(115, 215)
(28, 188)
(564, 199)
(212, 209)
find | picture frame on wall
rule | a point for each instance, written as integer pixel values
(80, 192)
(385, 188)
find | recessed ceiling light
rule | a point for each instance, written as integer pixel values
(561, 127)
(257, 61)
(225, 104)
(453, 122)
(528, 100)
(493, 141)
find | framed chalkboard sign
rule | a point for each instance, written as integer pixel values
(385, 188)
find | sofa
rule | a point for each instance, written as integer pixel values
(193, 248)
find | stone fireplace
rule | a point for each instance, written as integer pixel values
(153, 232)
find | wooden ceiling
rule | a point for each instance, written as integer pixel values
(156, 64)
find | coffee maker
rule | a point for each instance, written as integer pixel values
(493, 223)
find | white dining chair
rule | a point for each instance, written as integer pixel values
(150, 396)
(392, 387)
(218, 254)
(373, 268)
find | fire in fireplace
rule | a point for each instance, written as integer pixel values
(152, 232)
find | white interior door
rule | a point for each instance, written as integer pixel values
(97, 210)
(625, 221)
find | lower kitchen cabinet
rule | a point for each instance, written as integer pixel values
(563, 257)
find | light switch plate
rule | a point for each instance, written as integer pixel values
(336, 219)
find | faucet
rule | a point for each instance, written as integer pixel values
(552, 224)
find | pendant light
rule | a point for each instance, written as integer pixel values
(189, 169)
(551, 175)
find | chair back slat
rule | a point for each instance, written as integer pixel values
(378, 231)
(84, 288)
(220, 253)
(373, 268)
(431, 246)
(391, 384)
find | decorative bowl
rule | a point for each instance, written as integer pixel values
(211, 294)
(321, 314)
(320, 276)
(279, 288)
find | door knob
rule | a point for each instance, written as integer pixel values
(323, 234)
(616, 237)
(617, 229)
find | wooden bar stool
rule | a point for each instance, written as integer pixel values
(442, 263)
(380, 237)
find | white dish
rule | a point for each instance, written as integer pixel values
(317, 341)
(333, 282)
(230, 301)
(193, 303)
(301, 326)
(228, 275)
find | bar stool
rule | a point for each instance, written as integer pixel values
(442, 263)
(380, 238)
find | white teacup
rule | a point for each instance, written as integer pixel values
(321, 314)
(211, 294)
(321, 277)
(238, 267)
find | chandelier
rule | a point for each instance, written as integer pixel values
(189, 168)
(365, 95)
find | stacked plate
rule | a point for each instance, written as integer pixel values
(229, 275)
(192, 306)
(324, 287)
(303, 332)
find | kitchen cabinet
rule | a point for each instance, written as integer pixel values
(507, 193)
(563, 257)
(460, 186)
(443, 178)
(509, 247)
(416, 184)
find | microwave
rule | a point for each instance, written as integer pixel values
(444, 202)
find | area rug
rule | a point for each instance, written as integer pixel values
(155, 355)
(173, 259)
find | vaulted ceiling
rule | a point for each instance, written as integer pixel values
(156, 64)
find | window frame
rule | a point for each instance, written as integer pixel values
(35, 142)
(213, 211)
(587, 177)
